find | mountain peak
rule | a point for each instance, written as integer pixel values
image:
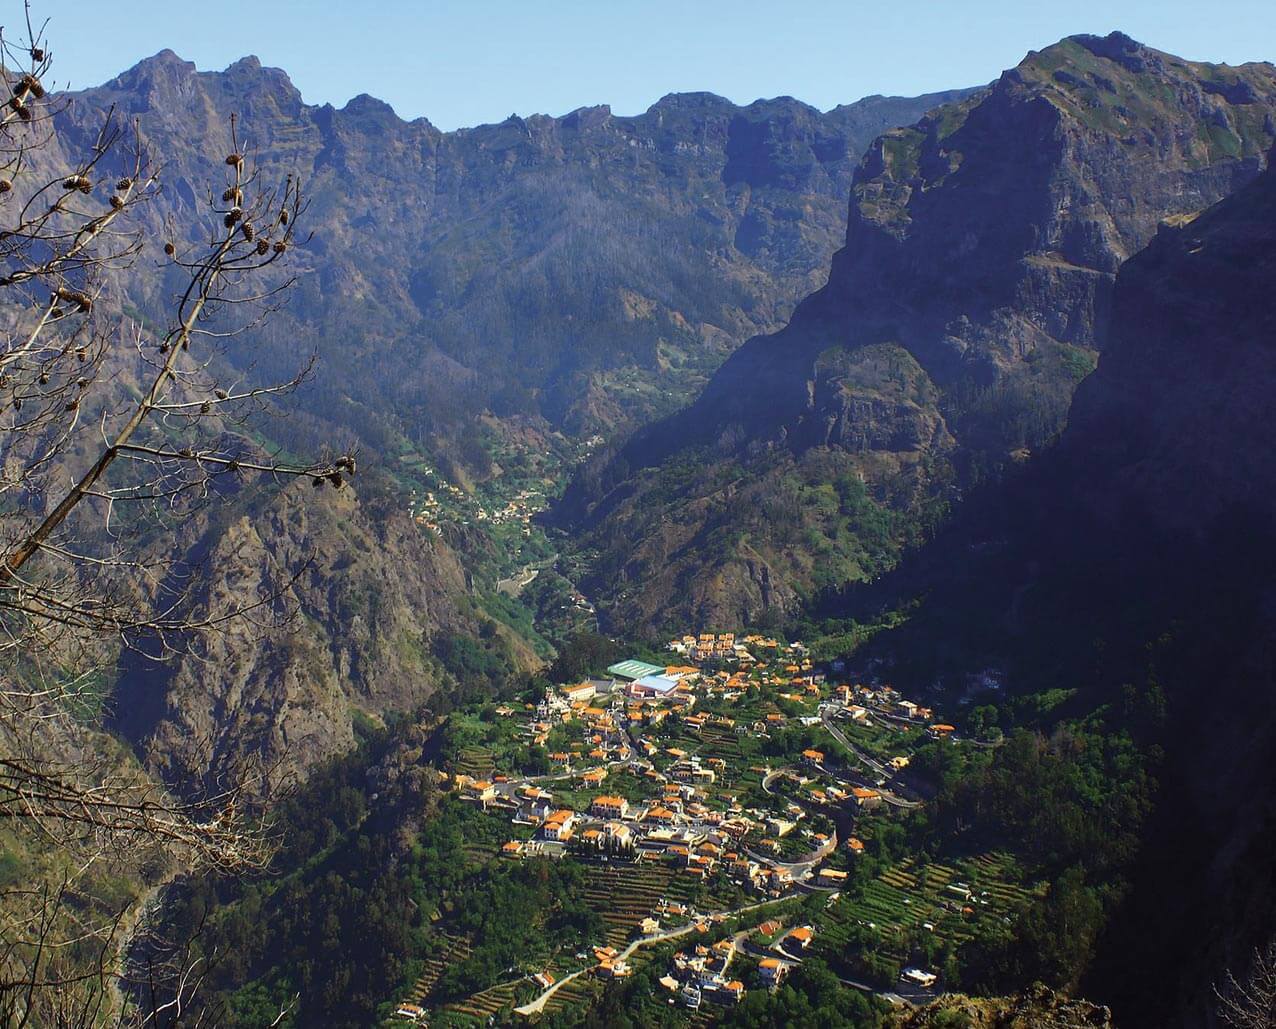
(165, 60)
(366, 104)
(249, 62)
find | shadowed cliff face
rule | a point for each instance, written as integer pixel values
(1176, 419)
(1141, 549)
(970, 299)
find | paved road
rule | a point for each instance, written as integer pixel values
(880, 770)
(531, 1007)
(536, 1005)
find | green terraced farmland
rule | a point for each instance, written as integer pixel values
(897, 903)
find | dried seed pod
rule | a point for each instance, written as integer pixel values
(205, 407)
(232, 196)
(248, 231)
(283, 216)
(263, 245)
(169, 249)
(17, 403)
(15, 102)
(186, 452)
(82, 383)
(37, 54)
(280, 246)
(163, 348)
(86, 187)
(44, 378)
(5, 185)
(346, 463)
(116, 201)
(25, 114)
(232, 217)
(234, 160)
(220, 394)
(72, 405)
(336, 479)
(81, 355)
(71, 296)
(56, 312)
(124, 183)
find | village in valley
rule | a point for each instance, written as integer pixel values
(721, 803)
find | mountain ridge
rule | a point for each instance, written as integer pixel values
(968, 301)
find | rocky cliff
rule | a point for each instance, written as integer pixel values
(1037, 1008)
(585, 269)
(355, 598)
(969, 300)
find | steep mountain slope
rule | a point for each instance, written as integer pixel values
(363, 607)
(968, 302)
(1136, 559)
(575, 268)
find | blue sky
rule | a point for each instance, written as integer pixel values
(464, 62)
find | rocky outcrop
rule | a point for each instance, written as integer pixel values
(352, 597)
(1038, 1008)
(970, 299)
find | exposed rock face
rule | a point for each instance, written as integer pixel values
(968, 302)
(355, 595)
(1189, 390)
(1038, 1008)
(576, 268)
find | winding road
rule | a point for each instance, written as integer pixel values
(878, 769)
(533, 1006)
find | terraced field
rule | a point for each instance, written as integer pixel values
(626, 894)
(451, 949)
(582, 990)
(478, 762)
(476, 1010)
(898, 902)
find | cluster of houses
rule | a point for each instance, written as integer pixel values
(703, 973)
(721, 647)
(675, 824)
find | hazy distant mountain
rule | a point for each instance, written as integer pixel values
(589, 269)
(969, 300)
